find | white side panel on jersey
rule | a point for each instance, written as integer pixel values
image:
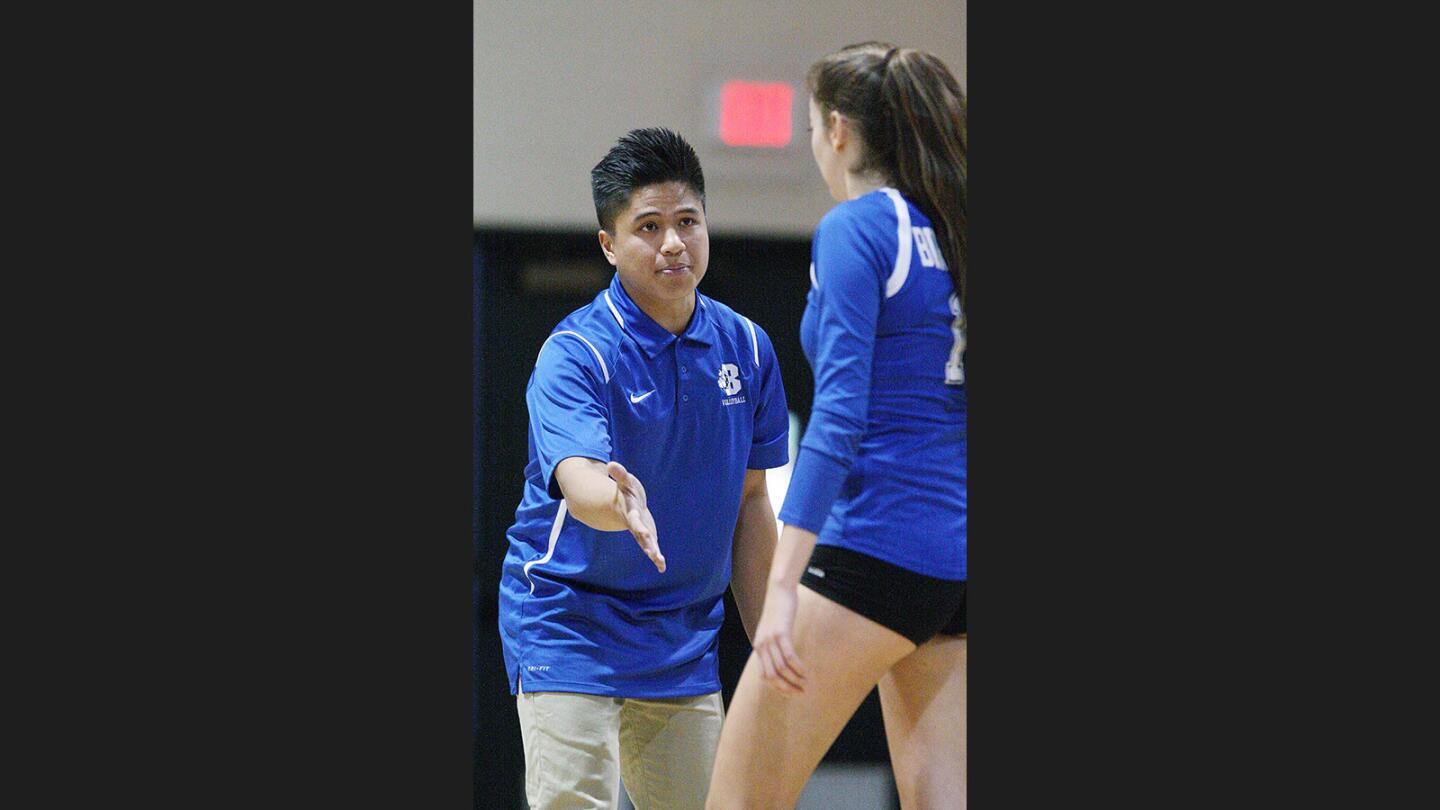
(603, 369)
(754, 344)
(549, 552)
(902, 254)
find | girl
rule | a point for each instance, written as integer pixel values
(878, 492)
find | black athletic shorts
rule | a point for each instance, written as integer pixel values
(913, 605)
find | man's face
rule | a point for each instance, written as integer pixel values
(660, 246)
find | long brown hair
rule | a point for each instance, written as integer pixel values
(911, 116)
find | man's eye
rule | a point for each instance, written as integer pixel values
(648, 227)
(687, 221)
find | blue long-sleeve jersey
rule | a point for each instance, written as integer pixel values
(881, 468)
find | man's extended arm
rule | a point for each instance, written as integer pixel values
(608, 498)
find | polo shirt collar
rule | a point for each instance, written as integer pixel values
(649, 335)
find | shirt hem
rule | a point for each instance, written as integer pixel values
(582, 688)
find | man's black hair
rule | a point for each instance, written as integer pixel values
(642, 157)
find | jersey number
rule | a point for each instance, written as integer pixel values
(955, 366)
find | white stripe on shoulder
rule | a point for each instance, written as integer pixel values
(754, 343)
(902, 255)
(814, 282)
(603, 369)
(613, 310)
(550, 551)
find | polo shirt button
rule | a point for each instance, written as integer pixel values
(684, 397)
(683, 369)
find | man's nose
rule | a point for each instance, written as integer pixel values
(672, 246)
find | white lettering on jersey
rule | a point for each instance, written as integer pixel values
(928, 249)
(729, 378)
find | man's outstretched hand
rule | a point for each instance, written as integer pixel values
(630, 502)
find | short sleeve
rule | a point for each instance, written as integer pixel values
(770, 446)
(569, 410)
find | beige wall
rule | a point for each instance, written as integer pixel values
(556, 83)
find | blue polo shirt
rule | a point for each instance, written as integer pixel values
(584, 610)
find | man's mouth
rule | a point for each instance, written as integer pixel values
(675, 269)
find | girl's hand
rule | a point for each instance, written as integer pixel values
(782, 668)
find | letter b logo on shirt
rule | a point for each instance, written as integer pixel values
(729, 379)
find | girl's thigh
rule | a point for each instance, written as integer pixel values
(773, 740)
(923, 701)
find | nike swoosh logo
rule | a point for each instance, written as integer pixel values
(816, 571)
(634, 398)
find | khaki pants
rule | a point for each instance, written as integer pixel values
(577, 747)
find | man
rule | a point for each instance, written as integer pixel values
(654, 413)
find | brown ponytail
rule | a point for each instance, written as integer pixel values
(912, 118)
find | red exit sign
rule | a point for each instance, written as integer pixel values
(755, 114)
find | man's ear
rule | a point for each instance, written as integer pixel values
(606, 246)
